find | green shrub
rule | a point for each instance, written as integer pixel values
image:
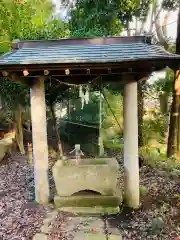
(150, 156)
(177, 196)
(115, 145)
(143, 190)
(153, 158)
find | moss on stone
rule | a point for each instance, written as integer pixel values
(109, 192)
(97, 161)
(89, 211)
(92, 161)
(87, 201)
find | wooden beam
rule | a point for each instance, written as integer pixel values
(141, 66)
(14, 77)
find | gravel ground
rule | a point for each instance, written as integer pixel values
(159, 214)
(59, 228)
(20, 216)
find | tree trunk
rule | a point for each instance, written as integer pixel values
(164, 99)
(178, 34)
(101, 145)
(171, 146)
(140, 113)
(162, 39)
(151, 19)
(178, 134)
(174, 129)
(19, 129)
(59, 145)
(178, 79)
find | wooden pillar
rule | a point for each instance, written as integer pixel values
(40, 146)
(131, 161)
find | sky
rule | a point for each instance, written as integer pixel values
(172, 24)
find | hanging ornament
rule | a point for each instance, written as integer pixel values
(82, 103)
(84, 95)
(81, 95)
(80, 91)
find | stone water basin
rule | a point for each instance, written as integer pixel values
(90, 182)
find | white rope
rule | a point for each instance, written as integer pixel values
(83, 92)
(76, 85)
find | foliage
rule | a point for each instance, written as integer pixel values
(165, 84)
(110, 125)
(114, 149)
(152, 155)
(98, 18)
(90, 111)
(55, 92)
(172, 48)
(155, 159)
(170, 4)
(156, 121)
(139, 9)
(13, 93)
(104, 18)
(154, 129)
(26, 20)
(36, 23)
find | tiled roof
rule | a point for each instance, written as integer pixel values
(86, 54)
(118, 52)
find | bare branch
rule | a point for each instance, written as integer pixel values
(151, 21)
(159, 32)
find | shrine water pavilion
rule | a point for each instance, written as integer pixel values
(79, 61)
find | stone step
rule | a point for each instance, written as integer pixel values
(87, 201)
(91, 211)
(97, 236)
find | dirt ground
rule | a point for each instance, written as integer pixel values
(20, 217)
(159, 214)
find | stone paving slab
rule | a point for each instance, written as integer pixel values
(96, 236)
(83, 236)
(115, 237)
(114, 231)
(91, 223)
(87, 225)
(81, 228)
(40, 236)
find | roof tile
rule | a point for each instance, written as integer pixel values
(86, 53)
